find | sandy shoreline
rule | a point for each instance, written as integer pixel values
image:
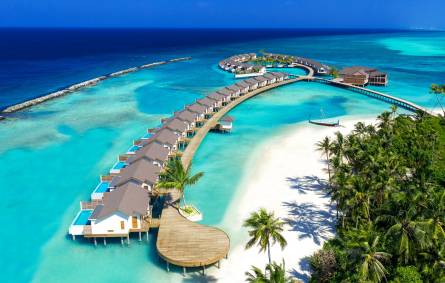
(286, 176)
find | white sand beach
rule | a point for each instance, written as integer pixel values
(286, 176)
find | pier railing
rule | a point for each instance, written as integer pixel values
(376, 94)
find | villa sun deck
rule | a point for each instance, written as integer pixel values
(188, 244)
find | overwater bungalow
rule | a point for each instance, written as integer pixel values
(141, 172)
(236, 91)
(190, 117)
(180, 127)
(280, 76)
(262, 81)
(228, 93)
(271, 79)
(167, 138)
(154, 152)
(209, 103)
(123, 211)
(221, 99)
(253, 84)
(198, 108)
(243, 86)
(362, 76)
(225, 124)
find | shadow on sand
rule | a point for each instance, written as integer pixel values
(309, 220)
(305, 268)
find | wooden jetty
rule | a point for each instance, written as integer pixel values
(202, 132)
(188, 244)
(376, 94)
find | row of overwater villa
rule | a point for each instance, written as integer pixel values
(238, 65)
(292, 61)
(122, 202)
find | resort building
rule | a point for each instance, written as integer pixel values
(362, 76)
(271, 79)
(279, 76)
(243, 86)
(189, 117)
(221, 99)
(209, 103)
(228, 93)
(123, 211)
(226, 123)
(141, 172)
(179, 127)
(262, 81)
(199, 109)
(167, 138)
(253, 84)
(154, 152)
(291, 61)
(238, 64)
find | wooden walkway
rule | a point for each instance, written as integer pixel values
(378, 95)
(189, 152)
(188, 244)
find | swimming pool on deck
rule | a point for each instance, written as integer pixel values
(100, 189)
(133, 149)
(118, 166)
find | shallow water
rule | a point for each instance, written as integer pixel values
(52, 155)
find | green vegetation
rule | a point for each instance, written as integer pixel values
(275, 273)
(388, 183)
(175, 176)
(334, 72)
(276, 59)
(265, 229)
(439, 91)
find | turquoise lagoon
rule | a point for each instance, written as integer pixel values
(51, 156)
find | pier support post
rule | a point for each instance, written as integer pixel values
(74, 237)
(184, 270)
(203, 270)
(147, 235)
(128, 239)
(140, 236)
(95, 242)
(122, 241)
(168, 266)
(219, 264)
(105, 241)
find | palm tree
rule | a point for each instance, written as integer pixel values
(438, 90)
(256, 276)
(372, 262)
(325, 146)
(409, 236)
(265, 228)
(275, 273)
(175, 176)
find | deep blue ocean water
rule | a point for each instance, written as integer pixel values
(52, 154)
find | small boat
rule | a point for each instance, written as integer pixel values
(326, 124)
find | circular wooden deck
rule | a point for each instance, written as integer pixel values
(188, 244)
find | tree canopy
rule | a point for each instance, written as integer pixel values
(388, 182)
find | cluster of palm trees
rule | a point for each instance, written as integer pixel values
(388, 184)
(265, 230)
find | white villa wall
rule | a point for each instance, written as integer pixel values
(111, 224)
